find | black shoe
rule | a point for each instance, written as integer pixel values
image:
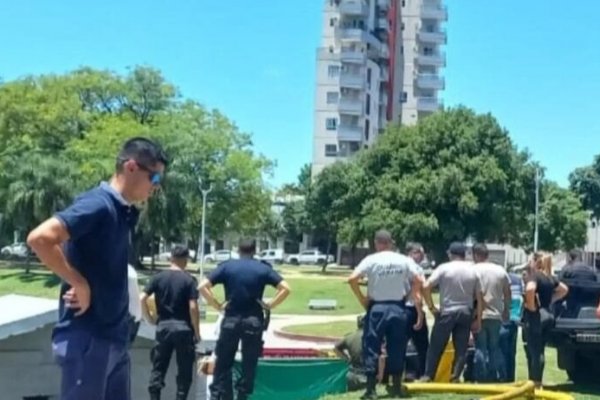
(397, 390)
(154, 395)
(371, 392)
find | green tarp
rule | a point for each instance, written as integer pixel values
(297, 379)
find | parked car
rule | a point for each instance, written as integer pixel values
(166, 255)
(221, 255)
(309, 257)
(271, 255)
(16, 250)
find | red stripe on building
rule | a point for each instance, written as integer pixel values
(393, 19)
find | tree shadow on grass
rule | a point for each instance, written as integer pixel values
(47, 279)
(579, 389)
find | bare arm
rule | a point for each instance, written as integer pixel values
(530, 290)
(283, 291)
(206, 292)
(46, 241)
(145, 310)
(354, 281)
(195, 318)
(428, 298)
(479, 314)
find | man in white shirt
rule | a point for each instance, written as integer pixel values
(390, 275)
(495, 288)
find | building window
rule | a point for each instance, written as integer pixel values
(332, 22)
(401, 49)
(368, 105)
(330, 150)
(332, 97)
(369, 78)
(367, 126)
(403, 3)
(333, 71)
(331, 124)
(403, 97)
(402, 26)
(428, 51)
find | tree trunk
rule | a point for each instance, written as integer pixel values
(324, 266)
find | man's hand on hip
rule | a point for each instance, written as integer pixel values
(78, 297)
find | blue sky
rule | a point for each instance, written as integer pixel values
(534, 64)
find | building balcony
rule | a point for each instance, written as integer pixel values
(383, 4)
(353, 81)
(383, 23)
(438, 37)
(350, 55)
(350, 106)
(429, 104)
(434, 11)
(352, 133)
(431, 81)
(383, 98)
(357, 35)
(354, 7)
(433, 60)
(385, 51)
(385, 74)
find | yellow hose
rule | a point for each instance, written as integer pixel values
(492, 391)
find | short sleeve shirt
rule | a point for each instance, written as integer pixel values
(173, 290)
(458, 283)
(244, 281)
(493, 280)
(99, 224)
(389, 275)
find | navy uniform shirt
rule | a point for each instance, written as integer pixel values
(99, 224)
(244, 281)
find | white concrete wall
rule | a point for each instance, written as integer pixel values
(27, 368)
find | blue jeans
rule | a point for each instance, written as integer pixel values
(487, 352)
(92, 368)
(508, 347)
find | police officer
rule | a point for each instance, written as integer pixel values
(389, 274)
(178, 323)
(244, 281)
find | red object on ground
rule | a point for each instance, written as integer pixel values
(289, 352)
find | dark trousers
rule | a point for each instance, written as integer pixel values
(172, 337)
(508, 348)
(457, 324)
(536, 329)
(385, 320)
(248, 330)
(487, 351)
(92, 368)
(420, 339)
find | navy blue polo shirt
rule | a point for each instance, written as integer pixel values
(244, 281)
(99, 224)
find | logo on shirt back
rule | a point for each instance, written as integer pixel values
(382, 270)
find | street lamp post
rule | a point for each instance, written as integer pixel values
(205, 193)
(595, 252)
(537, 210)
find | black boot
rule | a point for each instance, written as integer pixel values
(397, 390)
(154, 395)
(371, 392)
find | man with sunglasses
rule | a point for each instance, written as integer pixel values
(87, 245)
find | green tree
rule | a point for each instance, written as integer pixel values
(585, 182)
(563, 221)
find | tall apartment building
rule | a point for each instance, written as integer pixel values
(379, 61)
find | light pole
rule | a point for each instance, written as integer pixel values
(205, 193)
(537, 209)
(595, 251)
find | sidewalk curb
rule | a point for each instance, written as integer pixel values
(304, 338)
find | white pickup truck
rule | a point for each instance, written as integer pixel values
(309, 257)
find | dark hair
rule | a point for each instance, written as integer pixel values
(458, 249)
(143, 150)
(247, 246)
(413, 246)
(180, 252)
(575, 255)
(480, 250)
(384, 237)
